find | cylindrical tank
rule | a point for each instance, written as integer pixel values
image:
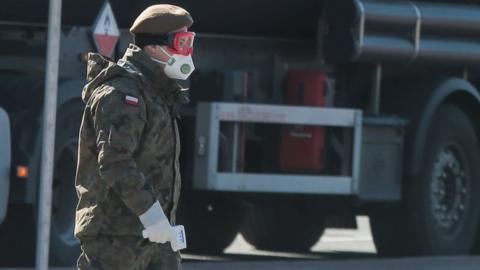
(406, 32)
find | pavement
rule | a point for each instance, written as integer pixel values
(431, 263)
(336, 250)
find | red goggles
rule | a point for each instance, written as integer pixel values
(179, 42)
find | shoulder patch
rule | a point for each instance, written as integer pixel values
(131, 100)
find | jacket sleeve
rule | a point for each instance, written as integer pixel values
(118, 127)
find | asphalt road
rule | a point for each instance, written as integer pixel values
(448, 263)
(337, 250)
(440, 263)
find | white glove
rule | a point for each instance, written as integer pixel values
(177, 240)
(157, 226)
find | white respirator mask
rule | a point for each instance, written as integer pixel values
(178, 66)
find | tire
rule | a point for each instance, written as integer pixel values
(439, 213)
(64, 247)
(289, 227)
(211, 222)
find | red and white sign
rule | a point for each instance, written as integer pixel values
(105, 30)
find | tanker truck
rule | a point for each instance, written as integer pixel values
(303, 115)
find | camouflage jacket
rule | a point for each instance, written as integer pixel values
(128, 145)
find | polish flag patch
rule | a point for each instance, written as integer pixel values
(131, 100)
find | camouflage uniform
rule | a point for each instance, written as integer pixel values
(126, 253)
(128, 159)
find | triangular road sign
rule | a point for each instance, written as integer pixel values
(105, 30)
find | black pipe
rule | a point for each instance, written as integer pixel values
(453, 19)
(347, 13)
(449, 52)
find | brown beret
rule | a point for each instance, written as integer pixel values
(161, 19)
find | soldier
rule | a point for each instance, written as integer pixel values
(128, 177)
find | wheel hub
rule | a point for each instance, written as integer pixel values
(448, 189)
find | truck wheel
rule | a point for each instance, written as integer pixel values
(439, 213)
(63, 245)
(282, 227)
(211, 223)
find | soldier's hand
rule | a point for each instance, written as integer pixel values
(157, 226)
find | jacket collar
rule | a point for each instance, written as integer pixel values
(151, 73)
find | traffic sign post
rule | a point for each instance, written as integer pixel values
(105, 30)
(48, 131)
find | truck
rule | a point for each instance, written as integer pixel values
(303, 115)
